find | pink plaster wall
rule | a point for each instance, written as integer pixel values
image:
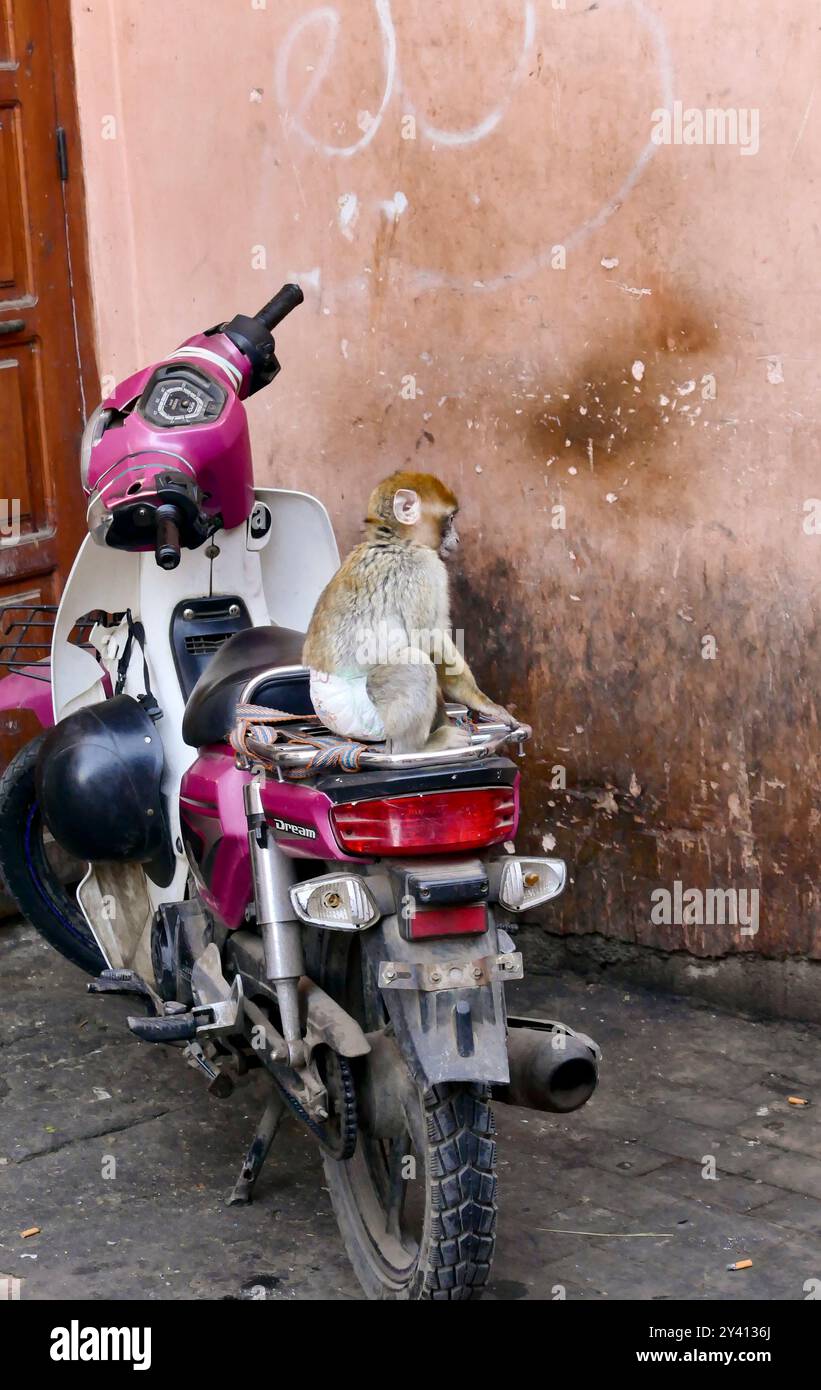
(248, 130)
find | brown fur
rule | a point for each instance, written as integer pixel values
(395, 582)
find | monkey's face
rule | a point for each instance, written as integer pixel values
(449, 540)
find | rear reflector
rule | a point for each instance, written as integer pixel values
(447, 921)
(441, 822)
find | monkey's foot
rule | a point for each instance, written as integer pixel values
(447, 736)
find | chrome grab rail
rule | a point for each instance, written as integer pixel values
(488, 739)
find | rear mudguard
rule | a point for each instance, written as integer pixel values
(29, 688)
(444, 1034)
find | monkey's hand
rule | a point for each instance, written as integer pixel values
(497, 712)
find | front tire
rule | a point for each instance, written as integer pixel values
(30, 873)
(420, 1230)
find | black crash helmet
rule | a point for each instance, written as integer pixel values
(99, 778)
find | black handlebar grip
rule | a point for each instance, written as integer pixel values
(167, 542)
(288, 298)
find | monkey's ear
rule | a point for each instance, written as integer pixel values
(407, 508)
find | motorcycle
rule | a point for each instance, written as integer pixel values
(337, 916)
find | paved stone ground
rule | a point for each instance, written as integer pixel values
(678, 1082)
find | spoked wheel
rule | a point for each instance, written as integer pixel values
(34, 867)
(417, 1211)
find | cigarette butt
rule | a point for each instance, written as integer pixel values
(32, 1231)
(741, 1264)
(796, 1100)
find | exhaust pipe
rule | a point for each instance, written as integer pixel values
(551, 1067)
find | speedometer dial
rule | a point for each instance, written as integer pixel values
(181, 395)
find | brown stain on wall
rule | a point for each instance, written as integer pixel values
(604, 417)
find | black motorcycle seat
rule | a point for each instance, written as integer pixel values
(212, 705)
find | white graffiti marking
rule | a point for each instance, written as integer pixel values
(433, 279)
(329, 18)
(395, 206)
(483, 128)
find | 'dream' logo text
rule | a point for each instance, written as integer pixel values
(289, 827)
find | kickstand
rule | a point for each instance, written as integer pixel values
(258, 1152)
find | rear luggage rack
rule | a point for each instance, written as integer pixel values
(297, 756)
(26, 632)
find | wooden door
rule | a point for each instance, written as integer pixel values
(44, 310)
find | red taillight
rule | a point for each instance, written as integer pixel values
(438, 822)
(468, 920)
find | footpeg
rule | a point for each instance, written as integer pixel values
(219, 1010)
(171, 1028)
(203, 1021)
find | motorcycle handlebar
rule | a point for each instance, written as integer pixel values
(278, 308)
(167, 542)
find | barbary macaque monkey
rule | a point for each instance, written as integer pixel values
(379, 648)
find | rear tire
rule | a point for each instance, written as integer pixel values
(451, 1258)
(30, 875)
(424, 1231)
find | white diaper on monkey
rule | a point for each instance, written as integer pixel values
(345, 707)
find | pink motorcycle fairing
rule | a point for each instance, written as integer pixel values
(29, 688)
(132, 449)
(215, 830)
